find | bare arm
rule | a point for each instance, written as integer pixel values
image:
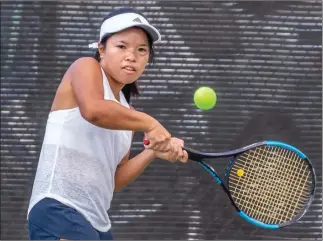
(88, 90)
(129, 170)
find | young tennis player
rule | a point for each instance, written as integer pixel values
(85, 152)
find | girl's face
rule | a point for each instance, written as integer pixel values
(125, 55)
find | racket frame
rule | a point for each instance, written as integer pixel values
(200, 156)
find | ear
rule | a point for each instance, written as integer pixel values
(100, 48)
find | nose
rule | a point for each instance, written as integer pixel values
(130, 56)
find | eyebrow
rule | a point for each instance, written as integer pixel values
(124, 42)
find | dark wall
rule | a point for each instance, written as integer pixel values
(262, 58)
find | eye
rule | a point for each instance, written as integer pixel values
(142, 50)
(120, 46)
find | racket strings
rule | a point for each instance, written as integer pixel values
(264, 209)
(301, 186)
(276, 190)
(284, 188)
(265, 177)
(254, 192)
(255, 177)
(287, 210)
(284, 201)
(275, 186)
(249, 187)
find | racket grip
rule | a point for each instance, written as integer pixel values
(146, 142)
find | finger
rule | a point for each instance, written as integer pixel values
(179, 150)
(156, 145)
(171, 154)
(180, 146)
(168, 145)
(159, 147)
(152, 145)
(159, 144)
(185, 157)
(181, 142)
(167, 156)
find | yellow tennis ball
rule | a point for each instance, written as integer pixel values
(205, 98)
(240, 172)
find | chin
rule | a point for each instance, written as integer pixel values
(128, 80)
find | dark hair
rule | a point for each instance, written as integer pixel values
(129, 89)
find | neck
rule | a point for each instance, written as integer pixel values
(115, 86)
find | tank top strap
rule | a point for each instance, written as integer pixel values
(108, 94)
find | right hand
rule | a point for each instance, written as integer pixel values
(159, 138)
(176, 154)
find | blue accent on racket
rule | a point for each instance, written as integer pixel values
(211, 171)
(257, 223)
(272, 181)
(262, 177)
(287, 146)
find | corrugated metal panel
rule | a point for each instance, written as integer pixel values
(262, 58)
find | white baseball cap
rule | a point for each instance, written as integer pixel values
(122, 19)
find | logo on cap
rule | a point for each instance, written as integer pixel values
(137, 20)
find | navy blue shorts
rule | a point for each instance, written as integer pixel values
(52, 220)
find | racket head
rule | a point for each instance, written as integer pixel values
(272, 185)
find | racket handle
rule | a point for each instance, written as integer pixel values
(189, 151)
(192, 154)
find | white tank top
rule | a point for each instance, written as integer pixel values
(78, 161)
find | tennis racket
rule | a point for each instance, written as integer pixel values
(271, 184)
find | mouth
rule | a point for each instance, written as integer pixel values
(129, 69)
